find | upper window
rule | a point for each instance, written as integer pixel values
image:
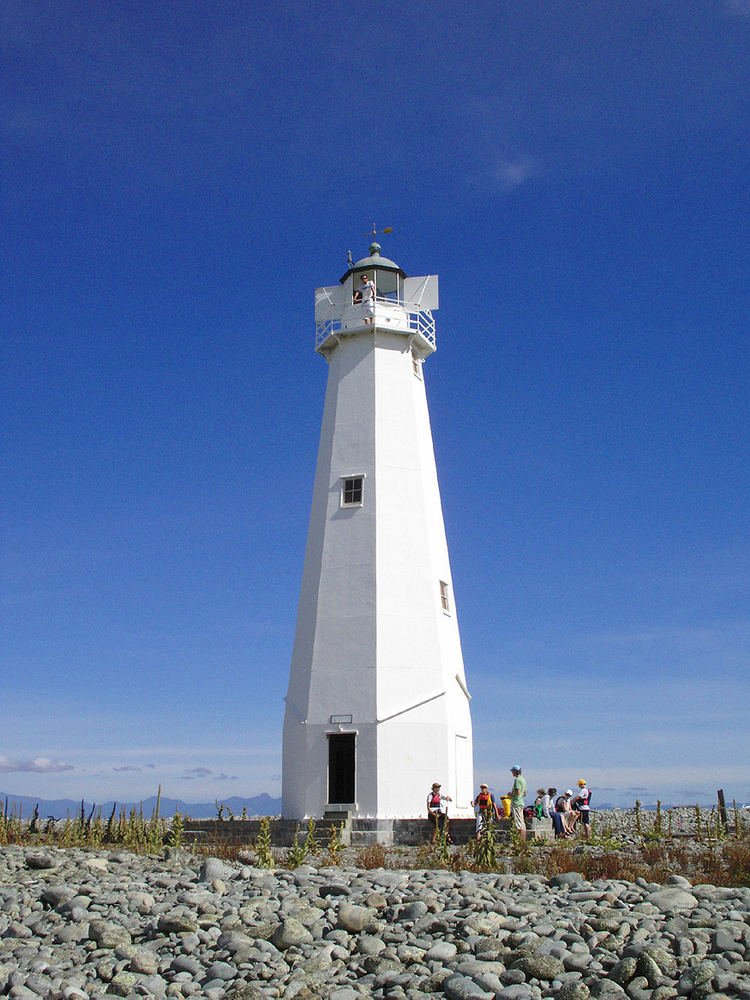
(445, 597)
(352, 488)
(416, 364)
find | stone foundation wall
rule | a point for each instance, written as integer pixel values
(358, 832)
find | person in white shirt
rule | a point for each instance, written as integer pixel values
(366, 295)
(581, 803)
(566, 811)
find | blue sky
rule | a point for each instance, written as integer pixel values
(178, 178)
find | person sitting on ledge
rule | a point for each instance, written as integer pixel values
(437, 813)
(564, 808)
(548, 811)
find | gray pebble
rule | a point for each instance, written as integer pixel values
(353, 918)
(457, 987)
(291, 933)
(443, 951)
(40, 860)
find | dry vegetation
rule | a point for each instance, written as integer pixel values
(712, 856)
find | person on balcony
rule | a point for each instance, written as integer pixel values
(366, 295)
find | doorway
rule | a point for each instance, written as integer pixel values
(341, 767)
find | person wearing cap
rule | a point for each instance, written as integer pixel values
(569, 817)
(437, 813)
(484, 807)
(582, 807)
(517, 795)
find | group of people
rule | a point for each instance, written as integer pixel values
(565, 810)
(485, 806)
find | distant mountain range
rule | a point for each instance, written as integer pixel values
(260, 805)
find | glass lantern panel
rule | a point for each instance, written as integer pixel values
(387, 284)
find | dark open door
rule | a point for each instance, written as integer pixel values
(341, 767)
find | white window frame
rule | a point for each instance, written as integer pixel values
(342, 491)
(416, 364)
(445, 598)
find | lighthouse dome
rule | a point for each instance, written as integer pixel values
(374, 260)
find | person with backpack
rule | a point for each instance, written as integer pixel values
(582, 805)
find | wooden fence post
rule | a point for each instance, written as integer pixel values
(723, 810)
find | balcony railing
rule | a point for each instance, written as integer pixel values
(400, 316)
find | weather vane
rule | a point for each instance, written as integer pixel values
(376, 232)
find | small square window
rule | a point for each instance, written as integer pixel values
(445, 598)
(352, 488)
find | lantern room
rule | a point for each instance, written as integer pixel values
(402, 304)
(386, 275)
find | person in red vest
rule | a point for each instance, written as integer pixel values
(484, 807)
(437, 813)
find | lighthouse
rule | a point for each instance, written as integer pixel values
(377, 707)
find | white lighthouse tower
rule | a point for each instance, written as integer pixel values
(377, 706)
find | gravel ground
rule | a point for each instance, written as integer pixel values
(78, 924)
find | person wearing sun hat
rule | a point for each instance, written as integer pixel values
(581, 803)
(484, 807)
(517, 794)
(437, 813)
(569, 816)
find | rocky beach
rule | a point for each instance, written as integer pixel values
(78, 923)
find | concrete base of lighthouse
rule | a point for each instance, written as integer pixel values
(358, 833)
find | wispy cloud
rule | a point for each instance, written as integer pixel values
(196, 772)
(513, 171)
(39, 765)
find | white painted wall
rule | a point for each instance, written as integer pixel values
(372, 640)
